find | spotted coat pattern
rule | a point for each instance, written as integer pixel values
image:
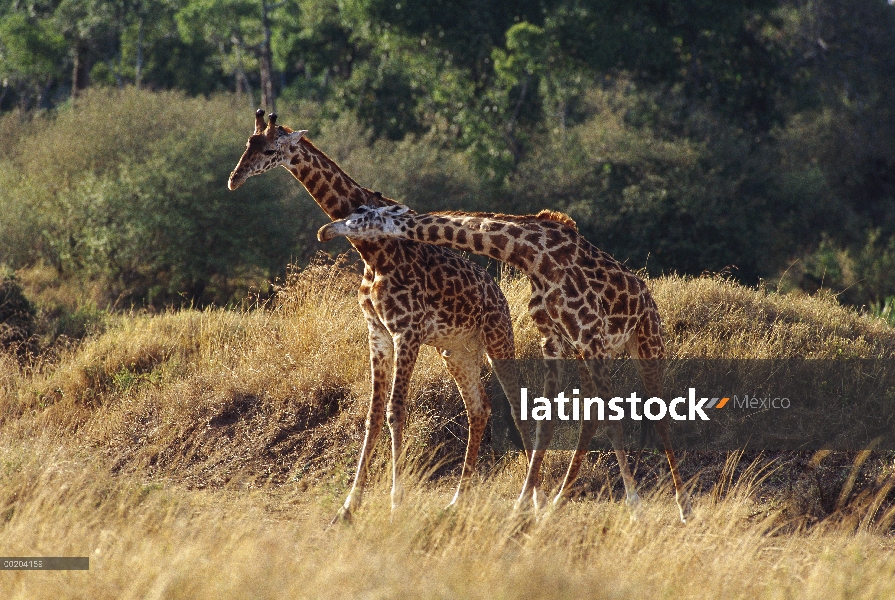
(410, 295)
(584, 303)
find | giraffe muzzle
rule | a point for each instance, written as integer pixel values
(235, 181)
(328, 232)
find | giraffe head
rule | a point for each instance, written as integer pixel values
(265, 149)
(367, 223)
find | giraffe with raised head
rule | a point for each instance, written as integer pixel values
(584, 303)
(410, 295)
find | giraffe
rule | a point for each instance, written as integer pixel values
(583, 302)
(410, 295)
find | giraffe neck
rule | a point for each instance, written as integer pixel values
(516, 242)
(336, 193)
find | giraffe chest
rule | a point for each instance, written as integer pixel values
(436, 315)
(431, 292)
(395, 302)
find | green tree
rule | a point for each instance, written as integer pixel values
(716, 53)
(88, 27)
(316, 46)
(242, 31)
(30, 52)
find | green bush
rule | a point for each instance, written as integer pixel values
(861, 276)
(128, 189)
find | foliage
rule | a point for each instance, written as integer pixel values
(684, 137)
(29, 52)
(859, 276)
(146, 212)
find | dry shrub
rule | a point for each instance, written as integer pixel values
(715, 317)
(149, 540)
(16, 314)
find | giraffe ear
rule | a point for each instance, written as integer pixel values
(398, 209)
(297, 135)
(260, 125)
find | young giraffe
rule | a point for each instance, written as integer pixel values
(582, 300)
(410, 295)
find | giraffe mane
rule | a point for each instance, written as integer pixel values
(545, 215)
(377, 200)
(560, 217)
(304, 140)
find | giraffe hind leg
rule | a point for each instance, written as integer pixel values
(648, 349)
(465, 367)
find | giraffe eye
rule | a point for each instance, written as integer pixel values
(269, 152)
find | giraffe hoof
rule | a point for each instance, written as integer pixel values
(559, 501)
(686, 509)
(343, 516)
(397, 496)
(523, 503)
(635, 505)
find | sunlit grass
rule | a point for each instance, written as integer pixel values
(203, 454)
(150, 540)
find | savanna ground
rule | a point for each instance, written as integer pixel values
(202, 453)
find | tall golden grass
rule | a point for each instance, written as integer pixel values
(203, 453)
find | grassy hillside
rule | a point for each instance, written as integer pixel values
(202, 453)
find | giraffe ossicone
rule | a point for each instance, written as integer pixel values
(585, 304)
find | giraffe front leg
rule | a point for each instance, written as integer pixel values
(407, 349)
(596, 357)
(381, 357)
(680, 493)
(616, 436)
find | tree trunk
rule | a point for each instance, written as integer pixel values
(242, 81)
(75, 71)
(139, 70)
(267, 98)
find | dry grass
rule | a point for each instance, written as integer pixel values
(153, 541)
(202, 453)
(717, 318)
